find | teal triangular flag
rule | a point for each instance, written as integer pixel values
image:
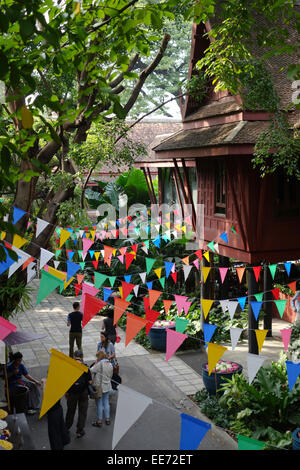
(149, 263)
(193, 431)
(162, 281)
(280, 304)
(259, 296)
(181, 324)
(272, 268)
(112, 280)
(211, 246)
(246, 443)
(48, 284)
(99, 280)
(82, 265)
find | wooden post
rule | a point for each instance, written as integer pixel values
(252, 322)
(268, 297)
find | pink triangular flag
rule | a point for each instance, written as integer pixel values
(196, 263)
(86, 245)
(121, 258)
(180, 302)
(286, 336)
(223, 272)
(174, 341)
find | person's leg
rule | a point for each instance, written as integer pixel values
(79, 341)
(105, 399)
(83, 404)
(71, 409)
(99, 408)
(71, 344)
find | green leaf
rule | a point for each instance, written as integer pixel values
(26, 28)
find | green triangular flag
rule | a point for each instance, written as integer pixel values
(99, 279)
(82, 264)
(80, 253)
(146, 243)
(181, 324)
(211, 246)
(259, 296)
(57, 253)
(245, 443)
(162, 281)
(112, 280)
(280, 304)
(129, 297)
(48, 284)
(272, 268)
(149, 263)
(233, 229)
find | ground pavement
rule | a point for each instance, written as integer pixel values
(169, 384)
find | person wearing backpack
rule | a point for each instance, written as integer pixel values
(78, 396)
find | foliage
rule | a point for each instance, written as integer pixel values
(210, 406)
(294, 346)
(10, 292)
(284, 289)
(197, 87)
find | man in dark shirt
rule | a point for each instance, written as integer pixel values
(75, 334)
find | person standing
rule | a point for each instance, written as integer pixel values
(103, 372)
(75, 333)
(295, 302)
(109, 327)
(77, 396)
(106, 346)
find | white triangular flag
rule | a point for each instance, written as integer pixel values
(186, 271)
(31, 271)
(254, 363)
(40, 226)
(216, 247)
(2, 353)
(136, 290)
(56, 263)
(235, 334)
(81, 232)
(224, 305)
(130, 406)
(22, 258)
(145, 249)
(232, 305)
(45, 257)
(143, 277)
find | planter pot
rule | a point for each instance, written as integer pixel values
(213, 381)
(296, 439)
(158, 337)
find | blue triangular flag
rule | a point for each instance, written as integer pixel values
(242, 301)
(293, 372)
(75, 241)
(4, 265)
(193, 431)
(168, 267)
(72, 269)
(224, 237)
(287, 266)
(149, 284)
(91, 252)
(127, 278)
(70, 254)
(17, 214)
(106, 293)
(157, 241)
(256, 306)
(209, 330)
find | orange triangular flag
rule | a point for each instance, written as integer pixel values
(80, 278)
(292, 285)
(186, 260)
(119, 308)
(153, 296)
(133, 326)
(240, 273)
(167, 304)
(108, 251)
(27, 262)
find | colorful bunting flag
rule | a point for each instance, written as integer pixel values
(181, 324)
(286, 336)
(193, 431)
(254, 363)
(214, 354)
(235, 334)
(256, 270)
(260, 337)
(205, 272)
(48, 284)
(246, 443)
(167, 305)
(256, 306)
(240, 273)
(149, 263)
(272, 268)
(293, 372)
(206, 306)
(92, 306)
(64, 236)
(287, 266)
(223, 272)
(120, 305)
(133, 326)
(6, 327)
(17, 214)
(224, 237)
(174, 340)
(208, 331)
(280, 304)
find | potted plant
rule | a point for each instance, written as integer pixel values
(158, 334)
(223, 370)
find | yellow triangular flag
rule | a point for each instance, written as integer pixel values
(168, 224)
(93, 234)
(214, 354)
(158, 272)
(206, 255)
(184, 228)
(64, 235)
(121, 292)
(206, 306)
(87, 235)
(260, 337)
(178, 227)
(60, 275)
(205, 271)
(97, 254)
(3, 235)
(18, 241)
(62, 373)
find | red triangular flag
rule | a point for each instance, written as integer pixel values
(129, 257)
(174, 277)
(134, 248)
(77, 289)
(275, 293)
(133, 326)
(92, 306)
(95, 263)
(256, 270)
(146, 304)
(153, 296)
(126, 289)
(27, 262)
(119, 308)
(198, 253)
(292, 285)
(151, 317)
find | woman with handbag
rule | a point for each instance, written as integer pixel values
(106, 345)
(102, 372)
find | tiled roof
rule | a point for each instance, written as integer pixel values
(215, 109)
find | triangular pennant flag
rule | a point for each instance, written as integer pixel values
(129, 257)
(149, 263)
(40, 226)
(162, 282)
(206, 256)
(136, 290)
(186, 260)
(235, 334)
(198, 253)
(259, 296)
(22, 258)
(275, 293)
(180, 302)
(133, 326)
(292, 286)
(293, 372)
(206, 306)
(223, 272)
(130, 406)
(153, 296)
(149, 284)
(151, 317)
(196, 263)
(242, 301)
(92, 305)
(234, 229)
(119, 308)
(87, 289)
(214, 354)
(224, 237)
(48, 284)
(286, 336)
(82, 265)
(256, 306)
(186, 271)
(97, 254)
(246, 443)
(64, 236)
(127, 278)
(208, 331)
(143, 277)
(240, 273)
(86, 244)
(45, 257)
(95, 264)
(174, 277)
(216, 247)
(158, 272)
(91, 253)
(272, 268)
(112, 280)
(193, 431)
(280, 304)
(287, 266)
(167, 305)
(260, 337)
(232, 306)
(107, 291)
(108, 252)
(210, 245)
(17, 214)
(56, 264)
(31, 271)
(57, 253)
(6, 327)
(99, 279)
(254, 363)
(126, 289)
(78, 288)
(18, 241)
(181, 324)
(256, 270)
(62, 373)
(72, 269)
(173, 342)
(224, 305)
